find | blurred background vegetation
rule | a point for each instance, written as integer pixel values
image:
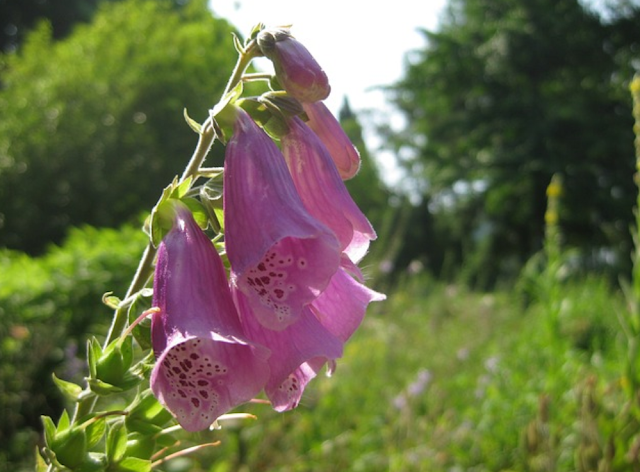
(507, 342)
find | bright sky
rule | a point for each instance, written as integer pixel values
(359, 46)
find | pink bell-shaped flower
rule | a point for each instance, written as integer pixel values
(205, 365)
(291, 349)
(300, 351)
(281, 257)
(323, 191)
(342, 306)
(296, 69)
(344, 154)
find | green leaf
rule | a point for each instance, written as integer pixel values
(70, 447)
(95, 431)
(41, 465)
(63, 422)
(116, 444)
(102, 388)
(146, 414)
(142, 331)
(94, 351)
(181, 190)
(194, 125)
(197, 209)
(135, 464)
(111, 300)
(70, 390)
(49, 430)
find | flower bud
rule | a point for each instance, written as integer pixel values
(296, 69)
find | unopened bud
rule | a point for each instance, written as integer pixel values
(296, 69)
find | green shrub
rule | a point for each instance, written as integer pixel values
(48, 305)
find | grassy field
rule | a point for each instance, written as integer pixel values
(443, 379)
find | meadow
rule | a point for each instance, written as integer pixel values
(530, 377)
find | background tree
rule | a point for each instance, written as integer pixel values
(92, 125)
(506, 94)
(18, 17)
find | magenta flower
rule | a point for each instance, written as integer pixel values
(296, 69)
(205, 366)
(291, 348)
(281, 257)
(344, 154)
(342, 306)
(300, 351)
(323, 191)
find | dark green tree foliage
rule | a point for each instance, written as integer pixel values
(17, 17)
(92, 126)
(504, 95)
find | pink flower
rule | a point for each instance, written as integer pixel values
(300, 351)
(291, 348)
(296, 69)
(344, 154)
(323, 191)
(281, 257)
(205, 366)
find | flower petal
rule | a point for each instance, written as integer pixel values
(342, 306)
(281, 257)
(290, 349)
(344, 154)
(323, 191)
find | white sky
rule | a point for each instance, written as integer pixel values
(360, 46)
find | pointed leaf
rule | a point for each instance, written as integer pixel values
(41, 465)
(198, 211)
(116, 444)
(70, 390)
(194, 125)
(63, 422)
(135, 464)
(49, 430)
(95, 431)
(94, 351)
(182, 189)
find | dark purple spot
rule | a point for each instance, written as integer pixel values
(195, 402)
(204, 394)
(182, 394)
(194, 356)
(261, 267)
(279, 293)
(203, 383)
